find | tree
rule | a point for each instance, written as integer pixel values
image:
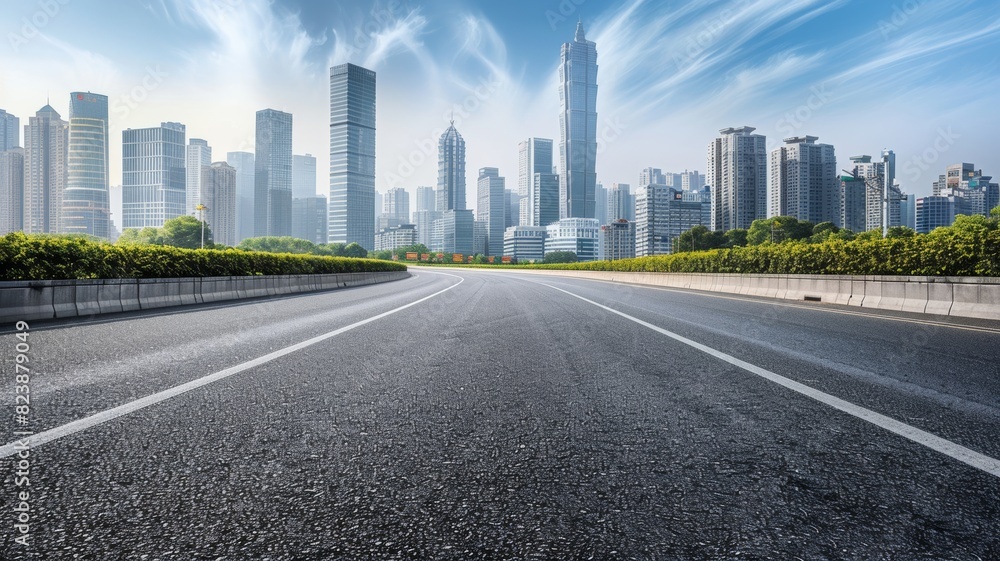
(778, 229)
(560, 257)
(185, 231)
(735, 238)
(995, 212)
(281, 244)
(699, 238)
(973, 223)
(900, 232)
(354, 249)
(147, 235)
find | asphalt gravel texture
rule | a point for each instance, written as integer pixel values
(504, 419)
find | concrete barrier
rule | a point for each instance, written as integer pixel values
(37, 300)
(940, 297)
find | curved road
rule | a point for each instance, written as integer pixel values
(482, 415)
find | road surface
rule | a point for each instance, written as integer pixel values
(481, 415)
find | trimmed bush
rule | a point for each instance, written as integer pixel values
(40, 257)
(944, 252)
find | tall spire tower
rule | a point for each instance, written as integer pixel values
(578, 127)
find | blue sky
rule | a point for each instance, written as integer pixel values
(919, 77)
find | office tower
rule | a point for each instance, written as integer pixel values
(352, 208)
(577, 126)
(513, 203)
(737, 171)
(935, 211)
(975, 192)
(524, 243)
(379, 205)
(218, 197)
(601, 204)
(273, 174)
(661, 215)
(491, 209)
(692, 180)
(454, 232)
(309, 216)
(86, 207)
(618, 238)
(451, 171)
(11, 190)
(243, 163)
(545, 199)
(804, 181)
(303, 176)
(198, 156)
(534, 155)
(579, 235)
(908, 210)
(425, 199)
(46, 143)
(652, 176)
(396, 205)
(425, 214)
(621, 203)
(10, 131)
(154, 175)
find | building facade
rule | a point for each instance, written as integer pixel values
(451, 171)
(11, 190)
(455, 231)
(396, 237)
(579, 235)
(621, 202)
(524, 243)
(534, 156)
(491, 209)
(936, 211)
(10, 131)
(46, 144)
(303, 176)
(618, 238)
(86, 204)
(352, 208)
(154, 175)
(243, 163)
(273, 174)
(199, 156)
(804, 182)
(309, 215)
(218, 184)
(662, 214)
(737, 171)
(577, 126)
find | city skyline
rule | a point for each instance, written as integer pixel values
(911, 60)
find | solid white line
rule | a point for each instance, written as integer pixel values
(936, 443)
(115, 412)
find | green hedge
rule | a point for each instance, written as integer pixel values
(34, 257)
(944, 252)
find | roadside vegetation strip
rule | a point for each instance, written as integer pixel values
(44, 257)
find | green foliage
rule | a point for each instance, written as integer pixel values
(182, 231)
(33, 257)
(901, 232)
(283, 244)
(778, 229)
(560, 257)
(354, 249)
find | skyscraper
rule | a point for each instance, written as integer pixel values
(601, 204)
(352, 156)
(273, 174)
(309, 219)
(396, 205)
(46, 141)
(425, 214)
(737, 171)
(11, 190)
(804, 181)
(491, 209)
(243, 163)
(199, 155)
(652, 176)
(662, 214)
(86, 207)
(534, 158)
(303, 176)
(10, 131)
(621, 203)
(153, 175)
(218, 184)
(451, 170)
(577, 126)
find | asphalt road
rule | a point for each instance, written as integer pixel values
(481, 415)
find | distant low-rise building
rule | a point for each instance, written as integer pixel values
(579, 235)
(524, 243)
(396, 237)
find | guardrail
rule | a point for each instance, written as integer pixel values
(33, 300)
(974, 297)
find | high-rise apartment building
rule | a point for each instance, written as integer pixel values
(10, 131)
(491, 209)
(577, 127)
(652, 176)
(737, 171)
(618, 238)
(273, 174)
(396, 205)
(601, 204)
(425, 214)
(661, 215)
(243, 163)
(86, 205)
(877, 177)
(352, 208)
(46, 143)
(218, 184)
(154, 175)
(198, 156)
(621, 203)
(11, 190)
(804, 181)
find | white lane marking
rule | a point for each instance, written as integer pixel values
(936, 443)
(764, 300)
(125, 409)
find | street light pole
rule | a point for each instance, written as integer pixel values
(201, 213)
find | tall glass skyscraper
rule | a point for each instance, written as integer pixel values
(451, 170)
(577, 127)
(540, 203)
(273, 174)
(86, 206)
(352, 156)
(199, 155)
(153, 175)
(10, 132)
(243, 162)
